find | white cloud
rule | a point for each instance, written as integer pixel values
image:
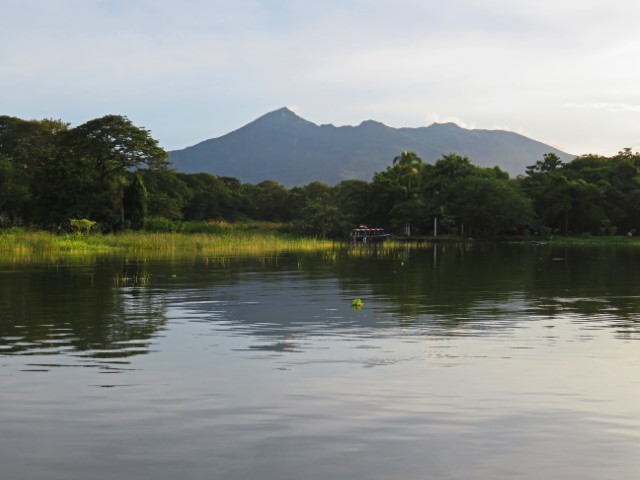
(192, 69)
(435, 117)
(609, 107)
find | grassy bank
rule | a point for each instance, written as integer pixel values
(589, 240)
(218, 238)
(239, 239)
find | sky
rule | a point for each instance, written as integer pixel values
(564, 72)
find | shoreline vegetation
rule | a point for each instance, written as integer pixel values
(227, 239)
(212, 238)
(109, 176)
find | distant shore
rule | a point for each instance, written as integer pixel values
(231, 239)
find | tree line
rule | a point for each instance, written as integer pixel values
(114, 173)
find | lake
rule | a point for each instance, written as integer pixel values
(472, 361)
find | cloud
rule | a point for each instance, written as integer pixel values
(435, 117)
(609, 107)
(209, 65)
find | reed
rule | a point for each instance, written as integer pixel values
(133, 280)
(587, 240)
(245, 239)
(231, 240)
(20, 241)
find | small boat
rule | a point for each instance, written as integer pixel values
(364, 234)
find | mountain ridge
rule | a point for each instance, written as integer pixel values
(286, 148)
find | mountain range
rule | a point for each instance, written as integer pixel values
(290, 150)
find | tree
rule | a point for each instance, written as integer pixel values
(97, 158)
(488, 206)
(320, 219)
(547, 185)
(25, 147)
(618, 181)
(14, 193)
(550, 163)
(398, 184)
(406, 168)
(268, 200)
(439, 187)
(167, 193)
(582, 196)
(385, 192)
(412, 211)
(213, 198)
(112, 145)
(135, 203)
(352, 198)
(482, 200)
(585, 213)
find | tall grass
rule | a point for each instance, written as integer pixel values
(213, 239)
(587, 240)
(226, 239)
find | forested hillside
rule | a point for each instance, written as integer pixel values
(109, 171)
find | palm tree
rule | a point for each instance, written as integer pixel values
(408, 166)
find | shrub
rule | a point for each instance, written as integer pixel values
(81, 226)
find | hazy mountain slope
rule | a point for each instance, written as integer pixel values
(284, 147)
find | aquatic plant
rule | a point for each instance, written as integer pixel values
(357, 304)
(135, 279)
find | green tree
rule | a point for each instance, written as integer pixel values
(25, 147)
(550, 163)
(108, 149)
(135, 203)
(112, 145)
(14, 193)
(167, 193)
(353, 199)
(439, 188)
(486, 206)
(617, 178)
(396, 191)
(548, 187)
(268, 200)
(320, 219)
(385, 193)
(575, 197)
(213, 198)
(406, 169)
(465, 197)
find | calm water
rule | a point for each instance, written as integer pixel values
(466, 362)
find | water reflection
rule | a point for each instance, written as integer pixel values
(76, 311)
(96, 312)
(480, 361)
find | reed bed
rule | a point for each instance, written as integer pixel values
(149, 243)
(227, 243)
(24, 246)
(587, 240)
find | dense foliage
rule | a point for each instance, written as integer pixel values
(109, 171)
(51, 173)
